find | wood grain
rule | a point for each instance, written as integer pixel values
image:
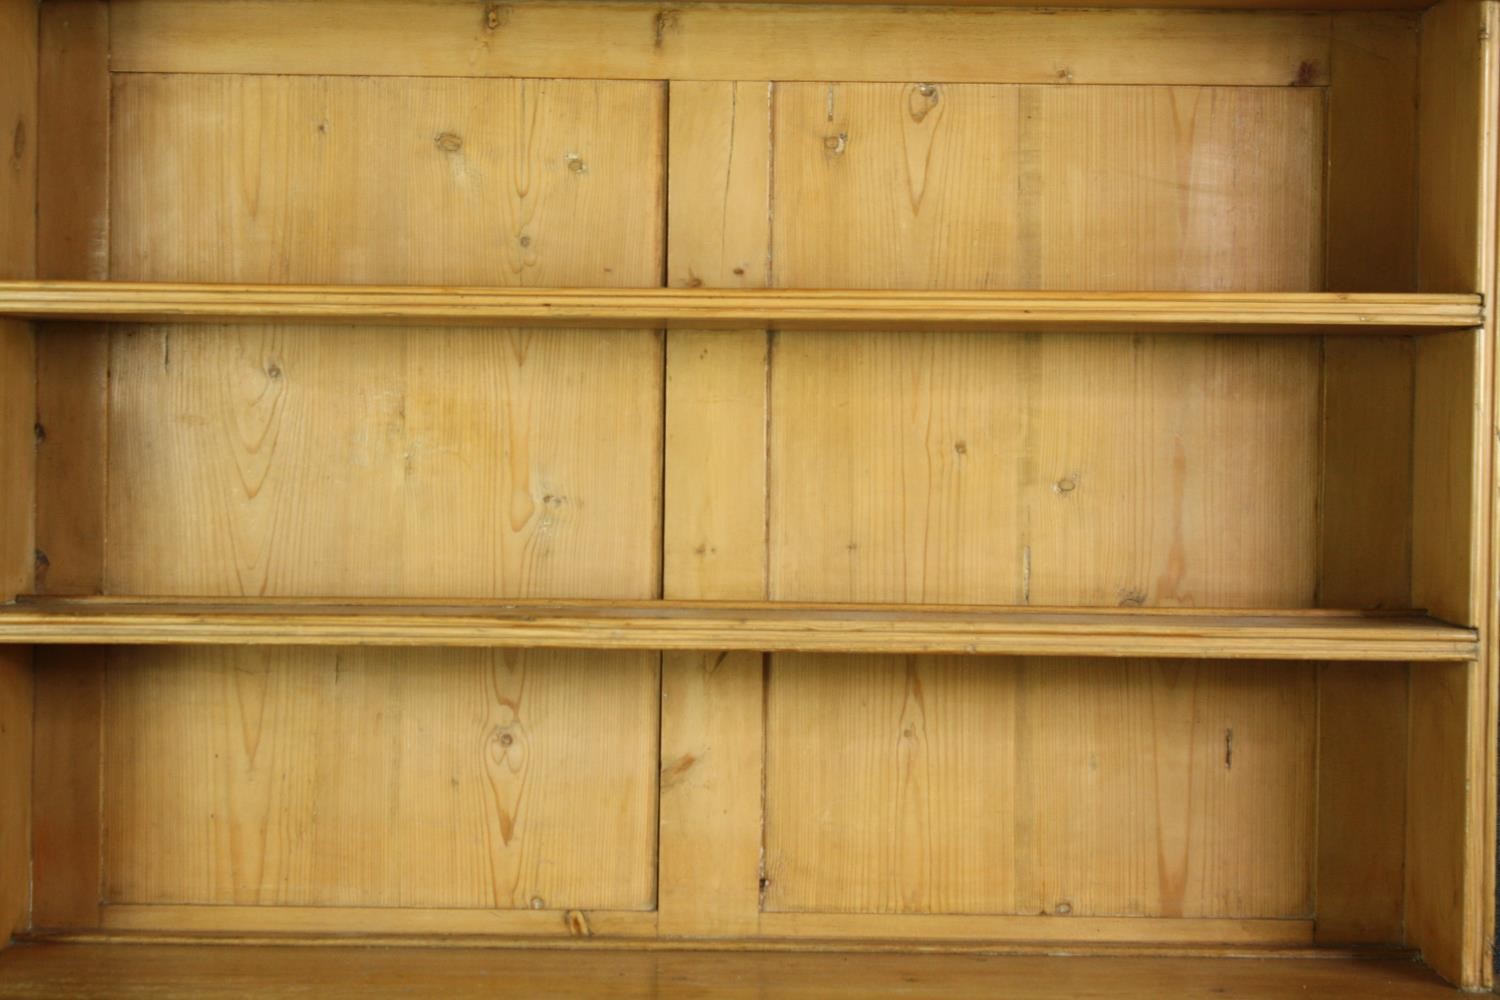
(73, 145)
(1455, 143)
(1016, 470)
(719, 204)
(1104, 188)
(517, 171)
(1445, 482)
(714, 524)
(15, 791)
(18, 138)
(1371, 235)
(754, 626)
(655, 42)
(950, 786)
(358, 777)
(1443, 817)
(486, 463)
(18, 128)
(144, 970)
(1362, 788)
(1365, 529)
(709, 309)
(67, 817)
(17, 458)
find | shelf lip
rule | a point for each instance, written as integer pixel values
(753, 626)
(779, 309)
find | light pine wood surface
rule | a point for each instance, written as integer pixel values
(694, 306)
(88, 971)
(445, 428)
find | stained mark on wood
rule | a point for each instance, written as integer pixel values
(666, 21)
(674, 772)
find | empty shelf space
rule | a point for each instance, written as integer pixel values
(772, 627)
(718, 309)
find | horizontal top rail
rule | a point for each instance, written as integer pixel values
(780, 309)
(758, 626)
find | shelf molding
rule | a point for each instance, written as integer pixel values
(778, 309)
(760, 626)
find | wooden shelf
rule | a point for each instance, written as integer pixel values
(829, 628)
(458, 968)
(719, 309)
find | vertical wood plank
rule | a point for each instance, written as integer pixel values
(15, 790)
(1444, 820)
(718, 205)
(72, 383)
(1445, 485)
(72, 244)
(715, 513)
(18, 138)
(1365, 529)
(1454, 135)
(1450, 829)
(73, 179)
(1362, 780)
(67, 831)
(1371, 240)
(18, 118)
(17, 458)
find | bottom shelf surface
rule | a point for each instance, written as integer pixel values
(70, 969)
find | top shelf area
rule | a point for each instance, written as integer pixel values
(776, 309)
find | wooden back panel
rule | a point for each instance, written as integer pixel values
(426, 462)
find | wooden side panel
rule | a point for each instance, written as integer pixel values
(1444, 821)
(1455, 131)
(67, 822)
(18, 131)
(1068, 470)
(380, 778)
(715, 513)
(73, 182)
(1065, 787)
(15, 791)
(1364, 562)
(1446, 492)
(18, 126)
(1365, 534)
(1362, 789)
(1366, 504)
(17, 457)
(1051, 187)
(72, 244)
(1372, 140)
